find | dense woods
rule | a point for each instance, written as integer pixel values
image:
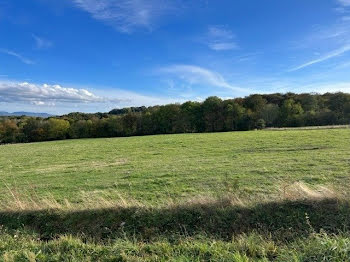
(211, 115)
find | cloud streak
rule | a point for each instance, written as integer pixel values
(220, 39)
(126, 15)
(18, 56)
(41, 43)
(344, 2)
(330, 55)
(198, 75)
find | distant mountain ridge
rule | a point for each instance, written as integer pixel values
(22, 113)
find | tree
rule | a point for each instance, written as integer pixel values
(191, 120)
(129, 124)
(34, 129)
(9, 132)
(212, 113)
(276, 99)
(260, 124)
(309, 102)
(80, 129)
(57, 128)
(233, 114)
(100, 127)
(338, 102)
(255, 102)
(145, 124)
(269, 113)
(291, 113)
(166, 119)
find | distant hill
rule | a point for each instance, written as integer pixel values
(44, 115)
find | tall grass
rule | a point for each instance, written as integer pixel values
(243, 248)
(302, 224)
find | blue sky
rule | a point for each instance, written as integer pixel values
(95, 55)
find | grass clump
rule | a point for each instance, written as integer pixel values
(252, 247)
(318, 247)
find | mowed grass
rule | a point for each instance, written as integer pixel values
(149, 169)
(238, 196)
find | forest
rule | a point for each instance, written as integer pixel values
(212, 115)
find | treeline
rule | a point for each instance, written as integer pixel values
(212, 115)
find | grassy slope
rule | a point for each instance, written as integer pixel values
(252, 164)
(162, 170)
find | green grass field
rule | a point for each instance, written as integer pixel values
(237, 196)
(153, 168)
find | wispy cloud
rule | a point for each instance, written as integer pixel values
(198, 75)
(335, 34)
(44, 93)
(20, 57)
(220, 39)
(344, 2)
(222, 46)
(339, 32)
(127, 15)
(330, 55)
(299, 84)
(41, 43)
(331, 39)
(343, 65)
(247, 57)
(129, 98)
(326, 87)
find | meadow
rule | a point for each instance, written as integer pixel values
(234, 196)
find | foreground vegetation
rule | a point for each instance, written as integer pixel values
(298, 230)
(253, 247)
(239, 196)
(213, 115)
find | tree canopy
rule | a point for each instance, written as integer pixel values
(212, 115)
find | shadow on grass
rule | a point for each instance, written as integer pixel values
(282, 221)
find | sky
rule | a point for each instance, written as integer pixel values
(95, 55)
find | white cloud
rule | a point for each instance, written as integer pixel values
(327, 88)
(41, 103)
(247, 57)
(20, 57)
(45, 94)
(344, 2)
(330, 55)
(41, 43)
(198, 75)
(55, 99)
(126, 15)
(220, 32)
(38, 103)
(129, 98)
(222, 46)
(219, 39)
